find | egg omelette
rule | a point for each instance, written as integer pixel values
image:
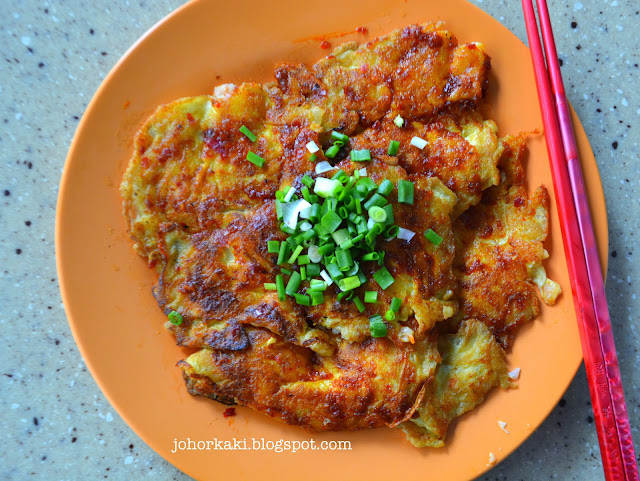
(202, 216)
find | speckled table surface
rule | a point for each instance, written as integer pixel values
(54, 421)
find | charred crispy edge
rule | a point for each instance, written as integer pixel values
(416, 403)
(200, 385)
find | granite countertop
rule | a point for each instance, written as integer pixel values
(54, 421)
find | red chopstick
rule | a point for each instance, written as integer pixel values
(601, 362)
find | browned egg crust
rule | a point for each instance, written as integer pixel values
(201, 214)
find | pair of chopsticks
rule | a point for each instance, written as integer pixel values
(600, 359)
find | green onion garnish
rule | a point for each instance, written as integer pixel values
(317, 298)
(313, 158)
(395, 304)
(175, 318)
(360, 155)
(280, 287)
(331, 152)
(248, 133)
(306, 180)
(383, 278)
(273, 247)
(377, 326)
(378, 214)
(339, 136)
(386, 187)
(349, 283)
(370, 297)
(399, 121)
(358, 303)
(282, 254)
(295, 254)
(270, 286)
(294, 283)
(390, 315)
(303, 273)
(327, 187)
(255, 159)
(434, 238)
(394, 146)
(302, 299)
(405, 192)
(331, 221)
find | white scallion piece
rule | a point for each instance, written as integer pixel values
(405, 234)
(305, 226)
(515, 374)
(399, 121)
(291, 210)
(418, 142)
(363, 172)
(503, 426)
(312, 147)
(289, 195)
(314, 255)
(305, 213)
(324, 166)
(325, 275)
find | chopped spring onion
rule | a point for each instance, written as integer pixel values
(327, 187)
(395, 304)
(340, 236)
(302, 299)
(331, 221)
(339, 136)
(313, 270)
(248, 133)
(434, 238)
(317, 298)
(418, 142)
(305, 226)
(370, 297)
(332, 151)
(306, 180)
(360, 155)
(270, 286)
(255, 159)
(282, 254)
(378, 214)
(377, 326)
(273, 247)
(314, 255)
(405, 234)
(294, 283)
(280, 287)
(291, 210)
(327, 278)
(295, 254)
(349, 283)
(324, 166)
(303, 273)
(313, 158)
(405, 192)
(394, 146)
(358, 303)
(317, 285)
(386, 187)
(383, 278)
(399, 121)
(303, 260)
(289, 195)
(313, 147)
(375, 200)
(390, 315)
(175, 318)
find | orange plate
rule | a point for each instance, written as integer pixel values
(106, 287)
